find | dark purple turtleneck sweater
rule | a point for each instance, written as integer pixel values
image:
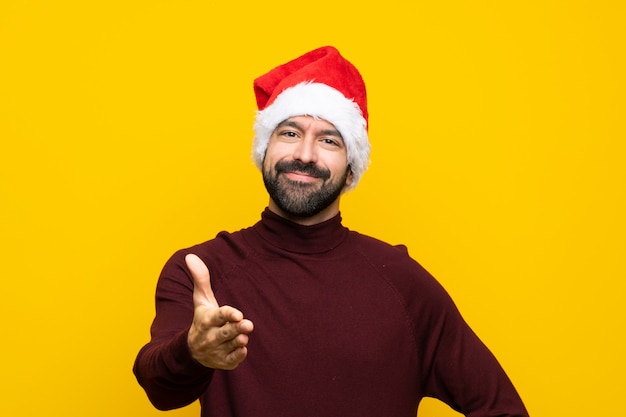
(345, 325)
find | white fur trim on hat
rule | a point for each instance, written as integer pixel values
(323, 101)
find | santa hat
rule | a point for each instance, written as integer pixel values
(320, 83)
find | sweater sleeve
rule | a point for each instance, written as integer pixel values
(463, 372)
(164, 367)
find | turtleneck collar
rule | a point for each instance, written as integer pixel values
(294, 237)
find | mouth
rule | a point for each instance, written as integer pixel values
(301, 177)
(301, 173)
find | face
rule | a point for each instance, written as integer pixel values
(305, 169)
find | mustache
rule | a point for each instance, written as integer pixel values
(309, 169)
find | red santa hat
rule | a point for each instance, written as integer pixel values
(320, 83)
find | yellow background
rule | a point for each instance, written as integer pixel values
(498, 158)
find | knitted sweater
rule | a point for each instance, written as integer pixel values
(345, 325)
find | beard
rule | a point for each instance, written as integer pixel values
(300, 199)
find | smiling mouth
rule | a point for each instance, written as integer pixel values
(300, 176)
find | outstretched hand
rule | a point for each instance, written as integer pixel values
(218, 336)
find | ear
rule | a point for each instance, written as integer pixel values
(349, 177)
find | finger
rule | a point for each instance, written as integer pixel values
(234, 358)
(231, 333)
(239, 342)
(227, 337)
(245, 326)
(202, 291)
(223, 316)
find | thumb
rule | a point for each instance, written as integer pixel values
(202, 291)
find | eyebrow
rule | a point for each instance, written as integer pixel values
(324, 132)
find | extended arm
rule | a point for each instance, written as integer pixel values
(191, 336)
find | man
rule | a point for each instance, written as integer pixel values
(297, 315)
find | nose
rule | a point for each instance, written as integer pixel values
(306, 151)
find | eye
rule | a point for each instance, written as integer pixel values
(331, 142)
(286, 134)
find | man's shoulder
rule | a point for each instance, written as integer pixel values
(224, 238)
(379, 253)
(396, 265)
(373, 246)
(225, 245)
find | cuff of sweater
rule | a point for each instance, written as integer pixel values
(185, 364)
